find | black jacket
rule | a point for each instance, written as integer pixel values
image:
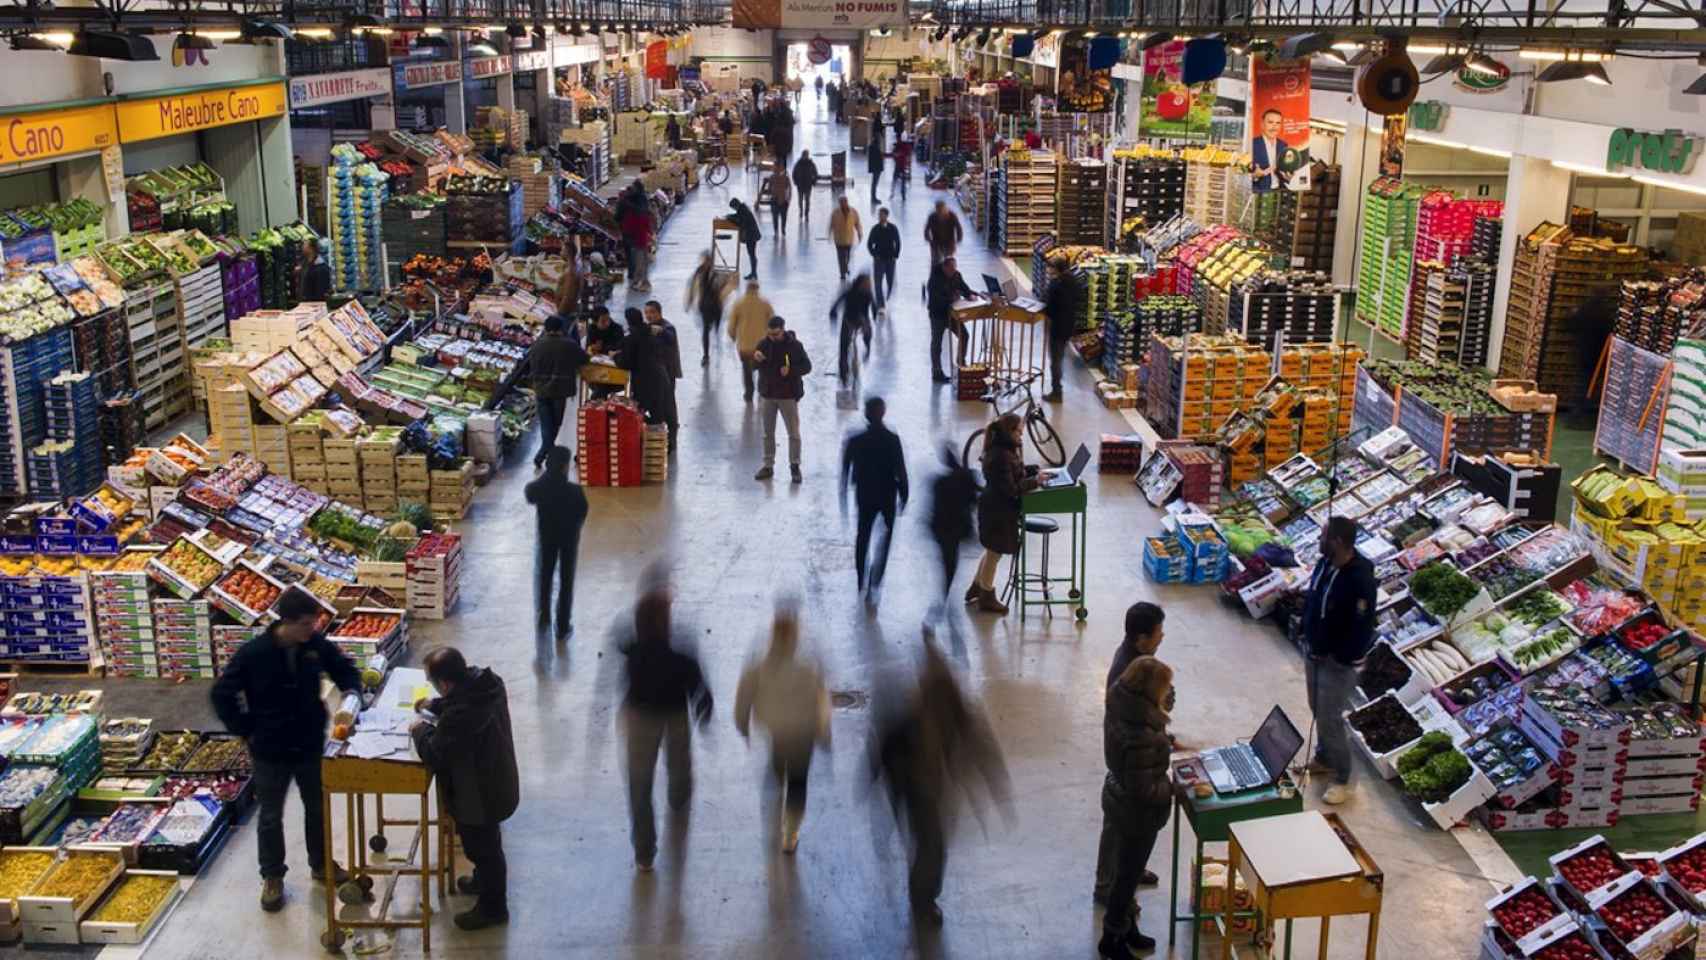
(609, 339)
(877, 464)
(662, 678)
(944, 230)
(772, 385)
(1136, 749)
(553, 362)
(472, 750)
(261, 696)
(1338, 619)
(884, 241)
(1005, 480)
(317, 281)
(874, 151)
(1065, 303)
(953, 497)
(854, 306)
(745, 221)
(805, 173)
(646, 355)
(561, 507)
(942, 290)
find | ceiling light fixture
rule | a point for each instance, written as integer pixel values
(1150, 41)
(31, 41)
(1697, 88)
(1480, 62)
(1447, 62)
(1563, 70)
(481, 48)
(1305, 45)
(1584, 56)
(112, 45)
(315, 33)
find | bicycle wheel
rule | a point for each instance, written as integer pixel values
(1045, 439)
(971, 442)
(718, 174)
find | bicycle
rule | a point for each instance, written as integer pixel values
(1035, 417)
(717, 171)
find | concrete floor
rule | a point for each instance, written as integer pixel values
(721, 889)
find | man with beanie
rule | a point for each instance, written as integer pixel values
(749, 321)
(782, 366)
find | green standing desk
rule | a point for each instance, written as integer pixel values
(1031, 591)
(1211, 820)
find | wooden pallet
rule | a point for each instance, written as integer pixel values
(55, 667)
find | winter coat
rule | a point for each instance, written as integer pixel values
(705, 290)
(274, 701)
(1065, 304)
(779, 189)
(553, 362)
(884, 241)
(472, 750)
(874, 151)
(1004, 481)
(316, 281)
(787, 697)
(608, 339)
(943, 231)
(855, 306)
(953, 496)
(662, 679)
(844, 226)
(1136, 750)
(877, 465)
(745, 222)
(942, 290)
(1338, 616)
(805, 173)
(637, 227)
(749, 320)
(645, 356)
(772, 354)
(561, 507)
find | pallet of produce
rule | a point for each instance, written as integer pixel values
(1528, 913)
(185, 568)
(1435, 773)
(1639, 919)
(130, 913)
(245, 593)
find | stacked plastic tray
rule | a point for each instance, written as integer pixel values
(1388, 252)
(25, 369)
(69, 463)
(357, 193)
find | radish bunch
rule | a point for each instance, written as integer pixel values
(1589, 870)
(1525, 912)
(1633, 913)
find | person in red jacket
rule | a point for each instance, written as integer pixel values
(637, 227)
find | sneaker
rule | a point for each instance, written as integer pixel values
(476, 919)
(272, 894)
(973, 592)
(1137, 940)
(795, 474)
(1317, 766)
(705, 360)
(1121, 948)
(764, 473)
(939, 377)
(929, 912)
(339, 874)
(1336, 794)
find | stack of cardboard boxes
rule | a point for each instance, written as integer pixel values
(307, 452)
(377, 454)
(449, 492)
(343, 470)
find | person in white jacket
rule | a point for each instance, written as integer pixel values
(787, 696)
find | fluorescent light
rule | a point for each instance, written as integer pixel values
(1653, 182)
(1489, 151)
(61, 37)
(1426, 49)
(433, 31)
(1089, 33)
(1482, 63)
(1585, 56)
(319, 33)
(1583, 169)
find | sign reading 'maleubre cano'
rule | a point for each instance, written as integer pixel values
(1669, 152)
(163, 116)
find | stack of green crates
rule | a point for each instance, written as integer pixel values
(1388, 253)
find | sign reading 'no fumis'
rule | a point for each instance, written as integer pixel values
(859, 14)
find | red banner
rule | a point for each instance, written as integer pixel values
(1278, 122)
(657, 59)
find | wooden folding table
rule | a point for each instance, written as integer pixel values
(1302, 865)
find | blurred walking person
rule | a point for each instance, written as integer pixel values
(749, 321)
(560, 507)
(953, 497)
(874, 158)
(942, 232)
(705, 291)
(1137, 793)
(665, 683)
(805, 180)
(930, 747)
(876, 465)
(854, 308)
(789, 700)
(779, 189)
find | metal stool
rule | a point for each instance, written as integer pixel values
(1046, 527)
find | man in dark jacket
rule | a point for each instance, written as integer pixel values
(875, 463)
(1065, 303)
(782, 364)
(884, 245)
(874, 158)
(664, 683)
(747, 225)
(316, 273)
(605, 334)
(944, 287)
(648, 354)
(854, 309)
(1337, 630)
(942, 232)
(805, 180)
(1137, 793)
(269, 694)
(468, 745)
(953, 497)
(553, 364)
(561, 508)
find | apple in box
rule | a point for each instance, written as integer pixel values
(1589, 865)
(1686, 864)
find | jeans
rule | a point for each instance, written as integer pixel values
(711, 320)
(272, 782)
(849, 348)
(929, 845)
(790, 411)
(1330, 683)
(646, 731)
(1136, 831)
(843, 256)
(805, 202)
(752, 257)
(747, 368)
(940, 325)
(483, 844)
(778, 218)
(876, 175)
(868, 514)
(1056, 354)
(639, 267)
(558, 558)
(551, 410)
(882, 269)
(789, 764)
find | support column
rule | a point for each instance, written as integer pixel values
(1359, 165)
(455, 107)
(1536, 191)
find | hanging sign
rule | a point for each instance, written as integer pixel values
(335, 87)
(431, 74)
(818, 51)
(482, 68)
(56, 133)
(1169, 108)
(1669, 152)
(657, 59)
(531, 60)
(1279, 124)
(795, 14)
(1046, 51)
(154, 117)
(1428, 116)
(1482, 81)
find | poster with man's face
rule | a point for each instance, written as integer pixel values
(1279, 124)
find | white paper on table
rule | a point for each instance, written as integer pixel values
(373, 745)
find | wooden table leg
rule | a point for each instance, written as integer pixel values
(426, 879)
(328, 851)
(1326, 926)
(1226, 899)
(1373, 931)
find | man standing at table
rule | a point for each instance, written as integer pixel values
(1338, 631)
(471, 750)
(269, 695)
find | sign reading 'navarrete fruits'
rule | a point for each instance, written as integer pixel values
(1669, 152)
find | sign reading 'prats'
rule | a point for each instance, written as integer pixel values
(1669, 152)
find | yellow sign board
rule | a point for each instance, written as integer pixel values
(199, 110)
(28, 137)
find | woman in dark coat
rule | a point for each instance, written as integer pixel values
(645, 358)
(874, 159)
(1137, 793)
(1005, 479)
(747, 225)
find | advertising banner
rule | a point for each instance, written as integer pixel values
(1168, 107)
(480, 68)
(154, 117)
(1279, 124)
(531, 60)
(657, 59)
(334, 87)
(793, 14)
(431, 74)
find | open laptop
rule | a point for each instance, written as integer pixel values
(1068, 475)
(1257, 764)
(992, 285)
